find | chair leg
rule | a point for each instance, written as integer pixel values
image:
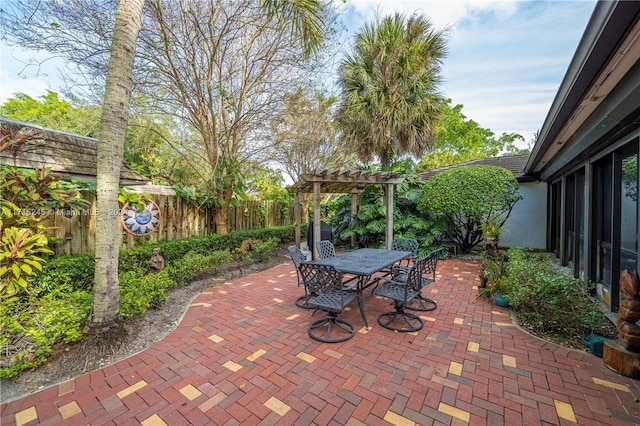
(422, 304)
(344, 328)
(413, 322)
(303, 301)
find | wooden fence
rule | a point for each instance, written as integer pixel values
(179, 218)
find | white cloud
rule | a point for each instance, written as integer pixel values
(442, 13)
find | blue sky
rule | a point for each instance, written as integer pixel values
(506, 58)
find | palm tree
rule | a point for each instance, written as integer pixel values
(390, 100)
(113, 126)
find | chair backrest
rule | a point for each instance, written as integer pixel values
(429, 263)
(320, 279)
(405, 244)
(296, 256)
(326, 249)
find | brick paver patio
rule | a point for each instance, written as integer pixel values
(241, 355)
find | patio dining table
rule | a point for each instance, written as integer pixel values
(364, 263)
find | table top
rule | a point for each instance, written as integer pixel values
(365, 261)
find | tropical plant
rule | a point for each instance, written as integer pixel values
(493, 277)
(27, 198)
(546, 301)
(368, 227)
(491, 226)
(390, 100)
(463, 196)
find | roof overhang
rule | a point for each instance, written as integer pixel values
(599, 93)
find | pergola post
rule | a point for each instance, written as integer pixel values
(354, 211)
(296, 212)
(389, 227)
(316, 218)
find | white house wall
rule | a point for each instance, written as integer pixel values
(527, 225)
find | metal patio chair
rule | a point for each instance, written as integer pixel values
(332, 297)
(401, 292)
(428, 266)
(406, 244)
(325, 249)
(296, 257)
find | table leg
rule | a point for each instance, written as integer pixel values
(361, 288)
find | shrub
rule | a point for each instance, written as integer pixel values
(68, 272)
(29, 329)
(463, 196)
(546, 300)
(139, 291)
(195, 265)
(264, 250)
(369, 226)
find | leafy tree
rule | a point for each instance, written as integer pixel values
(460, 139)
(52, 112)
(268, 183)
(305, 135)
(306, 138)
(390, 101)
(221, 68)
(464, 196)
(148, 143)
(62, 28)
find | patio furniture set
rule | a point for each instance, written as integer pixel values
(335, 281)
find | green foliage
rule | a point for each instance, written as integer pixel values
(68, 272)
(52, 112)
(268, 183)
(140, 291)
(463, 196)
(369, 225)
(391, 102)
(263, 251)
(493, 276)
(20, 251)
(27, 198)
(30, 328)
(546, 300)
(57, 307)
(195, 265)
(459, 139)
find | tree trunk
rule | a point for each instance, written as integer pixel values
(221, 213)
(113, 126)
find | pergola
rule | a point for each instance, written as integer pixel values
(342, 182)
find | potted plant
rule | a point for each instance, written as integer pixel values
(494, 277)
(491, 227)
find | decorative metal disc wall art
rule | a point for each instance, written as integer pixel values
(140, 222)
